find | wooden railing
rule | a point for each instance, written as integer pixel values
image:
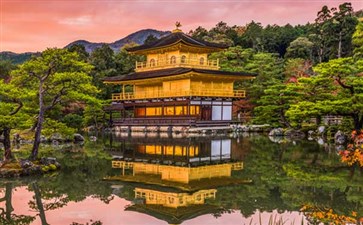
(177, 62)
(179, 93)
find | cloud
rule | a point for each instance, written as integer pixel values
(76, 21)
(33, 25)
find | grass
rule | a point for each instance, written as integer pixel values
(274, 220)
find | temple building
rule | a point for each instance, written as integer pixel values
(177, 85)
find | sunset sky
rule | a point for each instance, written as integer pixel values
(34, 25)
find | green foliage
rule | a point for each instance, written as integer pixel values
(16, 58)
(81, 50)
(11, 98)
(273, 105)
(73, 120)
(358, 40)
(56, 78)
(300, 48)
(54, 126)
(94, 115)
(5, 68)
(106, 63)
(333, 31)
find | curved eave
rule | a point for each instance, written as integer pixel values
(208, 49)
(189, 74)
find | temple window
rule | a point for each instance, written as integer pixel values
(183, 59)
(169, 110)
(173, 60)
(201, 61)
(140, 112)
(171, 200)
(152, 62)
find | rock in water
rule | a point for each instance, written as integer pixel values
(78, 138)
(321, 130)
(276, 132)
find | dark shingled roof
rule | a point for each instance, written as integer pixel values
(174, 38)
(171, 72)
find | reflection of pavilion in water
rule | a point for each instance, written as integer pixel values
(185, 151)
(177, 176)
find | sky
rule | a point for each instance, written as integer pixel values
(34, 25)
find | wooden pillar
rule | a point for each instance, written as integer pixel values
(123, 91)
(188, 149)
(220, 151)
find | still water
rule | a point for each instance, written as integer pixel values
(161, 179)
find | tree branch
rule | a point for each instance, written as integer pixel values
(340, 82)
(34, 75)
(49, 72)
(17, 109)
(56, 99)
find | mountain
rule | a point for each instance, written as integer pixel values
(138, 37)
(17, 58)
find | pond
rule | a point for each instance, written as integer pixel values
(164, 179)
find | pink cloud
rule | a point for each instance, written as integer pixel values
(34, 25)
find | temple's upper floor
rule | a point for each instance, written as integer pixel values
(176, 50)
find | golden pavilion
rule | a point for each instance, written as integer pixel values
(177, 85)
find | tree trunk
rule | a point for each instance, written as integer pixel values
(8, 155)
(38, 200)
(38, 131)
(358, 122)
(318, 120)
(340, 45)
(320, 54)
(284, 121)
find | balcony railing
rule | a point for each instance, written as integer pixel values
(177, 62)
(178, 93)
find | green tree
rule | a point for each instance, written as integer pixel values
(11, 113)
(57, 76)
(311, 92)
(274, 104)
(199, 33)
(300, 48)
(81, 50)
(357, 40)
(5, 68)
(252, 37)
(333, 32)
(344, 23)
(322, 33)
(344, 74)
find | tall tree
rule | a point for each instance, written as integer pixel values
(344, 23)
(301, 47)
(56, 76)
(252, 37)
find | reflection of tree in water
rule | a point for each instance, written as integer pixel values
(287, 176)
(80, 178)
(6, 214)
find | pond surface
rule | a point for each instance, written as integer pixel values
(161, 179)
